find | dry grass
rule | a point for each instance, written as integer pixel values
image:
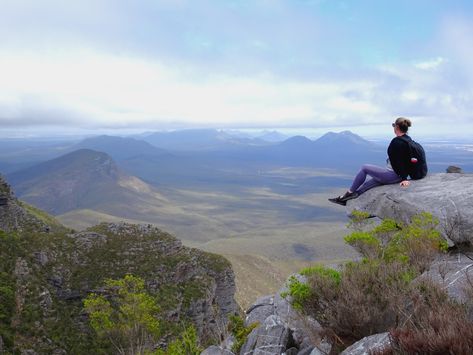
(435, 325)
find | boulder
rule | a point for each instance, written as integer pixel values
(289, 330)
(271, 337)
(454, 169)
(260, 310)
(449, 197)
(368, 345)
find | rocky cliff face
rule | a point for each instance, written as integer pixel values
(12, 216)
(449, 197)
(49, 271)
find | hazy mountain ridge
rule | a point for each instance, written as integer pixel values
(210, 149)
(80, 179)
(199, 139)
(120, 148)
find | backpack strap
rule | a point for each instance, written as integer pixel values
(408, 140)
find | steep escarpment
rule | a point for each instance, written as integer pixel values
(46, 272)
(12, 216)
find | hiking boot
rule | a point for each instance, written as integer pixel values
(338, 201)
(349, 196)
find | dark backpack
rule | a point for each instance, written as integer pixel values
(418, 163)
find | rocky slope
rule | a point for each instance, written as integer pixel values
(46, 272)
(449, 197)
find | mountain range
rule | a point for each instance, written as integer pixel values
(252, 200)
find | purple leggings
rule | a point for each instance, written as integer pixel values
(380, 176)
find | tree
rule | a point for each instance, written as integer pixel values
(125, 315)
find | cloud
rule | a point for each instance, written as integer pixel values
(99, 90)
(430, 64)
(163, 64)
(102, 90)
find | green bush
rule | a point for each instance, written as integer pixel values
(127, 318)
(239, 331)
(322, 271)
(300, 293)
(365, 243)
(186, 344)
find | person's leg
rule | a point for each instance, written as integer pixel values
(380, 176)
(369, 184)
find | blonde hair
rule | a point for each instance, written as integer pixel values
(403, 124)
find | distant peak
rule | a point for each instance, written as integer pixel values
(342, 137)
(298, 139)
(297, 142)
(85, 152)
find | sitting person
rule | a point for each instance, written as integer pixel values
(400, 165)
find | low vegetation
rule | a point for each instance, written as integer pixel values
(45, 274)
(8, 252)
(240, 332)
(126, 318)
(376, 294)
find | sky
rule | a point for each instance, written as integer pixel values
(130, 66)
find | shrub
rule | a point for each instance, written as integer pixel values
(359, 220)
(322, 271)
(240, 332)
(127, 319)
(186, 344)
(372, 295)
(366, 301)
(436, 325)
(365, 243)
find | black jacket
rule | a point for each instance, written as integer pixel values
(400, 156)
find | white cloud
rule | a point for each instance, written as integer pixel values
(93, 89)
(430, 64)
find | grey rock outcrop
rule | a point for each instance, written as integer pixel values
(13, 217)
(281, 329)
(449, 197)
(454, 169)
(367, 345)
(271, 337)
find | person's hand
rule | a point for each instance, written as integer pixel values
(405, 183)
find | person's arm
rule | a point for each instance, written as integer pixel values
(398, 153)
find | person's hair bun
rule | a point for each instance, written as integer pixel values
(403, 124)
